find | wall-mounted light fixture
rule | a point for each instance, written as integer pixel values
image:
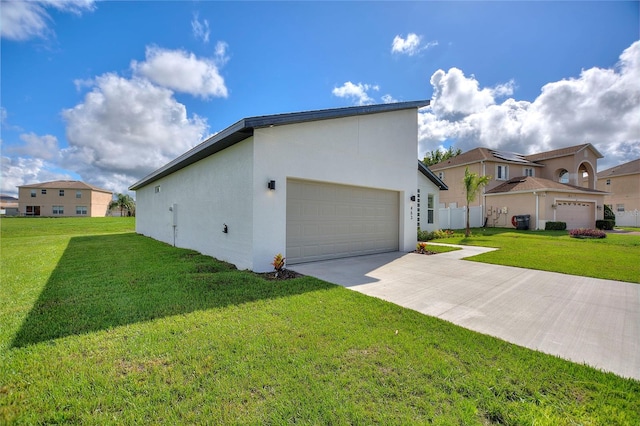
(225, 228)
(271, 185)
(599, 207)
(413, 198)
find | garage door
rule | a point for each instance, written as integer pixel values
(576, 214)
(328, 221)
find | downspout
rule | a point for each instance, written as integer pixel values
(484, 197)
(537, 209)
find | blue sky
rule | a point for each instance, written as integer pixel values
(107, 91)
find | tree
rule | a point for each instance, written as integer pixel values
(438, 156)
(123, 202)
(472, 183)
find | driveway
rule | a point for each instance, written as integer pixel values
(585, 320)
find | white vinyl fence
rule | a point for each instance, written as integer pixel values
(455, 218)
(630, 218)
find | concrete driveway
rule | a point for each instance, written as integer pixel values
(585, 320)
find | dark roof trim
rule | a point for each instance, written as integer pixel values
(244, 128)
(431, 176)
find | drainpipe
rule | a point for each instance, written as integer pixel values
(484, 197)
(537, 209)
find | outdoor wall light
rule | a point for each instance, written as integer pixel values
(413, 198)
(271, 185)
(225, 228)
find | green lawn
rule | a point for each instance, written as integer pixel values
(103, 326)
(615, 257)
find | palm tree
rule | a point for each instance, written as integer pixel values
(123, 202)
(472, 183)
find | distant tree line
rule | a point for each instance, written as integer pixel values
(438, 156)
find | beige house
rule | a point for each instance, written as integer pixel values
(622, 182)
(558, 185)
(8, 205)
(63, 198)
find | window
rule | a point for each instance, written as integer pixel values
(43, 192)
(620, 207)
(33, 193)
(441, 175)
(78, 194)
(81, 210)
(528, 171)
(608, 181)
(430, 208)
(563, 177)
(157, 189)
(61, 192)
(502, 172)
(58, 209)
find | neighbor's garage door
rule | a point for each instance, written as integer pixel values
(576, 214)
(328, 221)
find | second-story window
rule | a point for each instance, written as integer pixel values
(43, 192)
(502, 172)
(33, 193)
(61, 192)
(78, 194)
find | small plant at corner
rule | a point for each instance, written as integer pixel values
(278, 263)
(421, 248)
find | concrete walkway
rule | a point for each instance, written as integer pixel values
(585, 320)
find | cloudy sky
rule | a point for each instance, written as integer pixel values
(106, 92)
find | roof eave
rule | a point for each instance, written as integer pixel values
(432, 177)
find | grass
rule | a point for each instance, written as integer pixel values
(103, 326)
(614, 258)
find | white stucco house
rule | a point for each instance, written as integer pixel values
(311, 185)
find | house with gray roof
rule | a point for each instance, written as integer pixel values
(310, 185)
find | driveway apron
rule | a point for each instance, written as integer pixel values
(585, 320)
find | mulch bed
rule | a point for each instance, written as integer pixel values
(285, 274)
(428, 252)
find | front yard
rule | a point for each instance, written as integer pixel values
(103, 326)
(614, 258)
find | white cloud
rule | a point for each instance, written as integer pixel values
(43, 147)
(601, 106)
(355, 92)
(24, 20)
(388, 99)
(125, 129)
(220, 53)
(410, 45)
(182, 71)
(200, 29)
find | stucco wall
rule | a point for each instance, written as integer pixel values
(624, 190)
(377, 151)
(208, 194)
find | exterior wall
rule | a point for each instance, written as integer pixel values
(375, 151)
(99, 205)
(96, 202)
(540, 205)
(623, 190)
(203, 197)
(427, 188)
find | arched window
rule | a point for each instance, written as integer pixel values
(563, 176)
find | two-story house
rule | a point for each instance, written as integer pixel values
(63, 198)
(622, 183)
(558, 185)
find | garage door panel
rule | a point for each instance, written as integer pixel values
(326, 221)
(576, 214)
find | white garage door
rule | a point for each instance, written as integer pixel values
(328, 221)
(576, 214)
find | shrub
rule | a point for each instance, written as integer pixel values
(555, 226)
(606, 224)
(421, 248)
(278, 263)
(587, 233)
(609, 214)
(440, 233)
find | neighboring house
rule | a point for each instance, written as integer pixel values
(8, 205)
(622, 183)
(311, 185)
(63, 198)
(558, 185)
